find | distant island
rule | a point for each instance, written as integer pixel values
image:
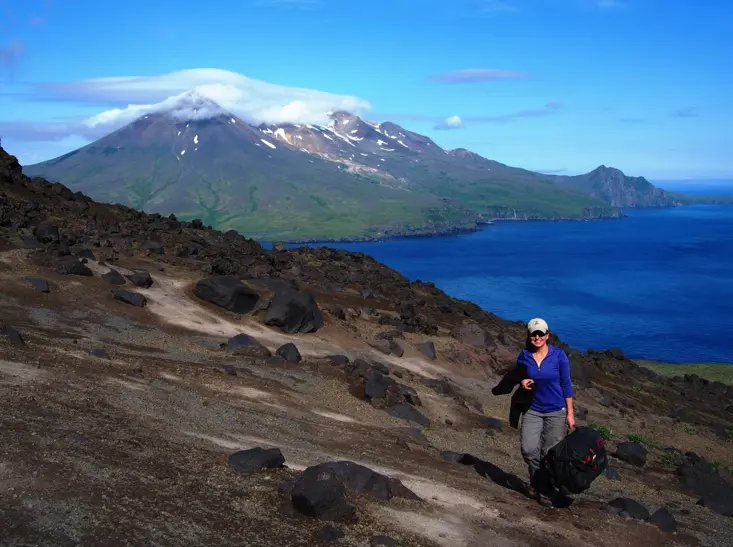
(346, 181)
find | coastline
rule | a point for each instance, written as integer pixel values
(429, 233)
(477, 226)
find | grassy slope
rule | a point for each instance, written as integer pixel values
(715, 372)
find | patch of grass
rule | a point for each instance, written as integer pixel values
(690, 430)
(714, 372)
(641, 439)
(605, 432)
(667, 458)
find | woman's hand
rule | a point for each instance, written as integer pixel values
(570, 419)
(527, 383)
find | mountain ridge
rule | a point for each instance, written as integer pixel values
(350, 179)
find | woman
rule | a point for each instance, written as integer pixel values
(544, 424)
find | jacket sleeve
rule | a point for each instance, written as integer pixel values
(565, 382)
(510, 379)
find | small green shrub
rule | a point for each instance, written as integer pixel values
(641, 439)
(605, 433)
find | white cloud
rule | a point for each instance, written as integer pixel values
(187, 94)
(451, 122)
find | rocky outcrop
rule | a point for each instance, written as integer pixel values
(228, 292)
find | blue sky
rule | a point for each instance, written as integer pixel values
(552, 85)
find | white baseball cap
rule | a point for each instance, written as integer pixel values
(537, 324)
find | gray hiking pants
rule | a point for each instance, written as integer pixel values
(540, 432)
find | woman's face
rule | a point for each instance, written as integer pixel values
(538, 338)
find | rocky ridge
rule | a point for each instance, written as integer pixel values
(216, 390)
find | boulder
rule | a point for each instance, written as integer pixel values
(440, 385)
(141, 279)
(700, 478)
(289, 352)
(228, 292)
(473, 334)
(321, 496)
(428, 350)
(396, 349)
(47, 232)
(70, 265)
(664, 520)
(245, 345)
(632, 453)
(382, 346)
(131, 298)
(338, 360)
(406, 411)
(255, 459)
(360, 480)
(329, 533)
(113, 277)
(611, 473)
(627, 507)
(153, 247)
(38, 283)
(85, 254)
(294, 311)
(11, 336)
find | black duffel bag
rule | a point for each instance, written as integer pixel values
(576, 461)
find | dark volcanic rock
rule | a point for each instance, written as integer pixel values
(396, 349)
(228, 292)
(405, 411)
(38, 283)
(664, 520)
(255, 459)
(113, 277)
(70, 265)
(440, 385)
(141, 279)
(294, 311)
(611, 473)
(11, 336)
(289, 352)
(474, 335)
(329, 533)
(381, 346)
(322, 497)
(699, 477)
(130, 297)
(47, 233)
(428, 350)
(626, 507)
(245, 345)
(633, 453)
(338, 360)
(361, 480)
(616, 353)
(85, 253)
(99, 352)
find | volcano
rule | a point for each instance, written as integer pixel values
(349, 179)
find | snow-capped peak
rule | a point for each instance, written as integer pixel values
(191, 105)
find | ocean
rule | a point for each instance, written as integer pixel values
(657, 284)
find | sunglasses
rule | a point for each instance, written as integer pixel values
(538, 334)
